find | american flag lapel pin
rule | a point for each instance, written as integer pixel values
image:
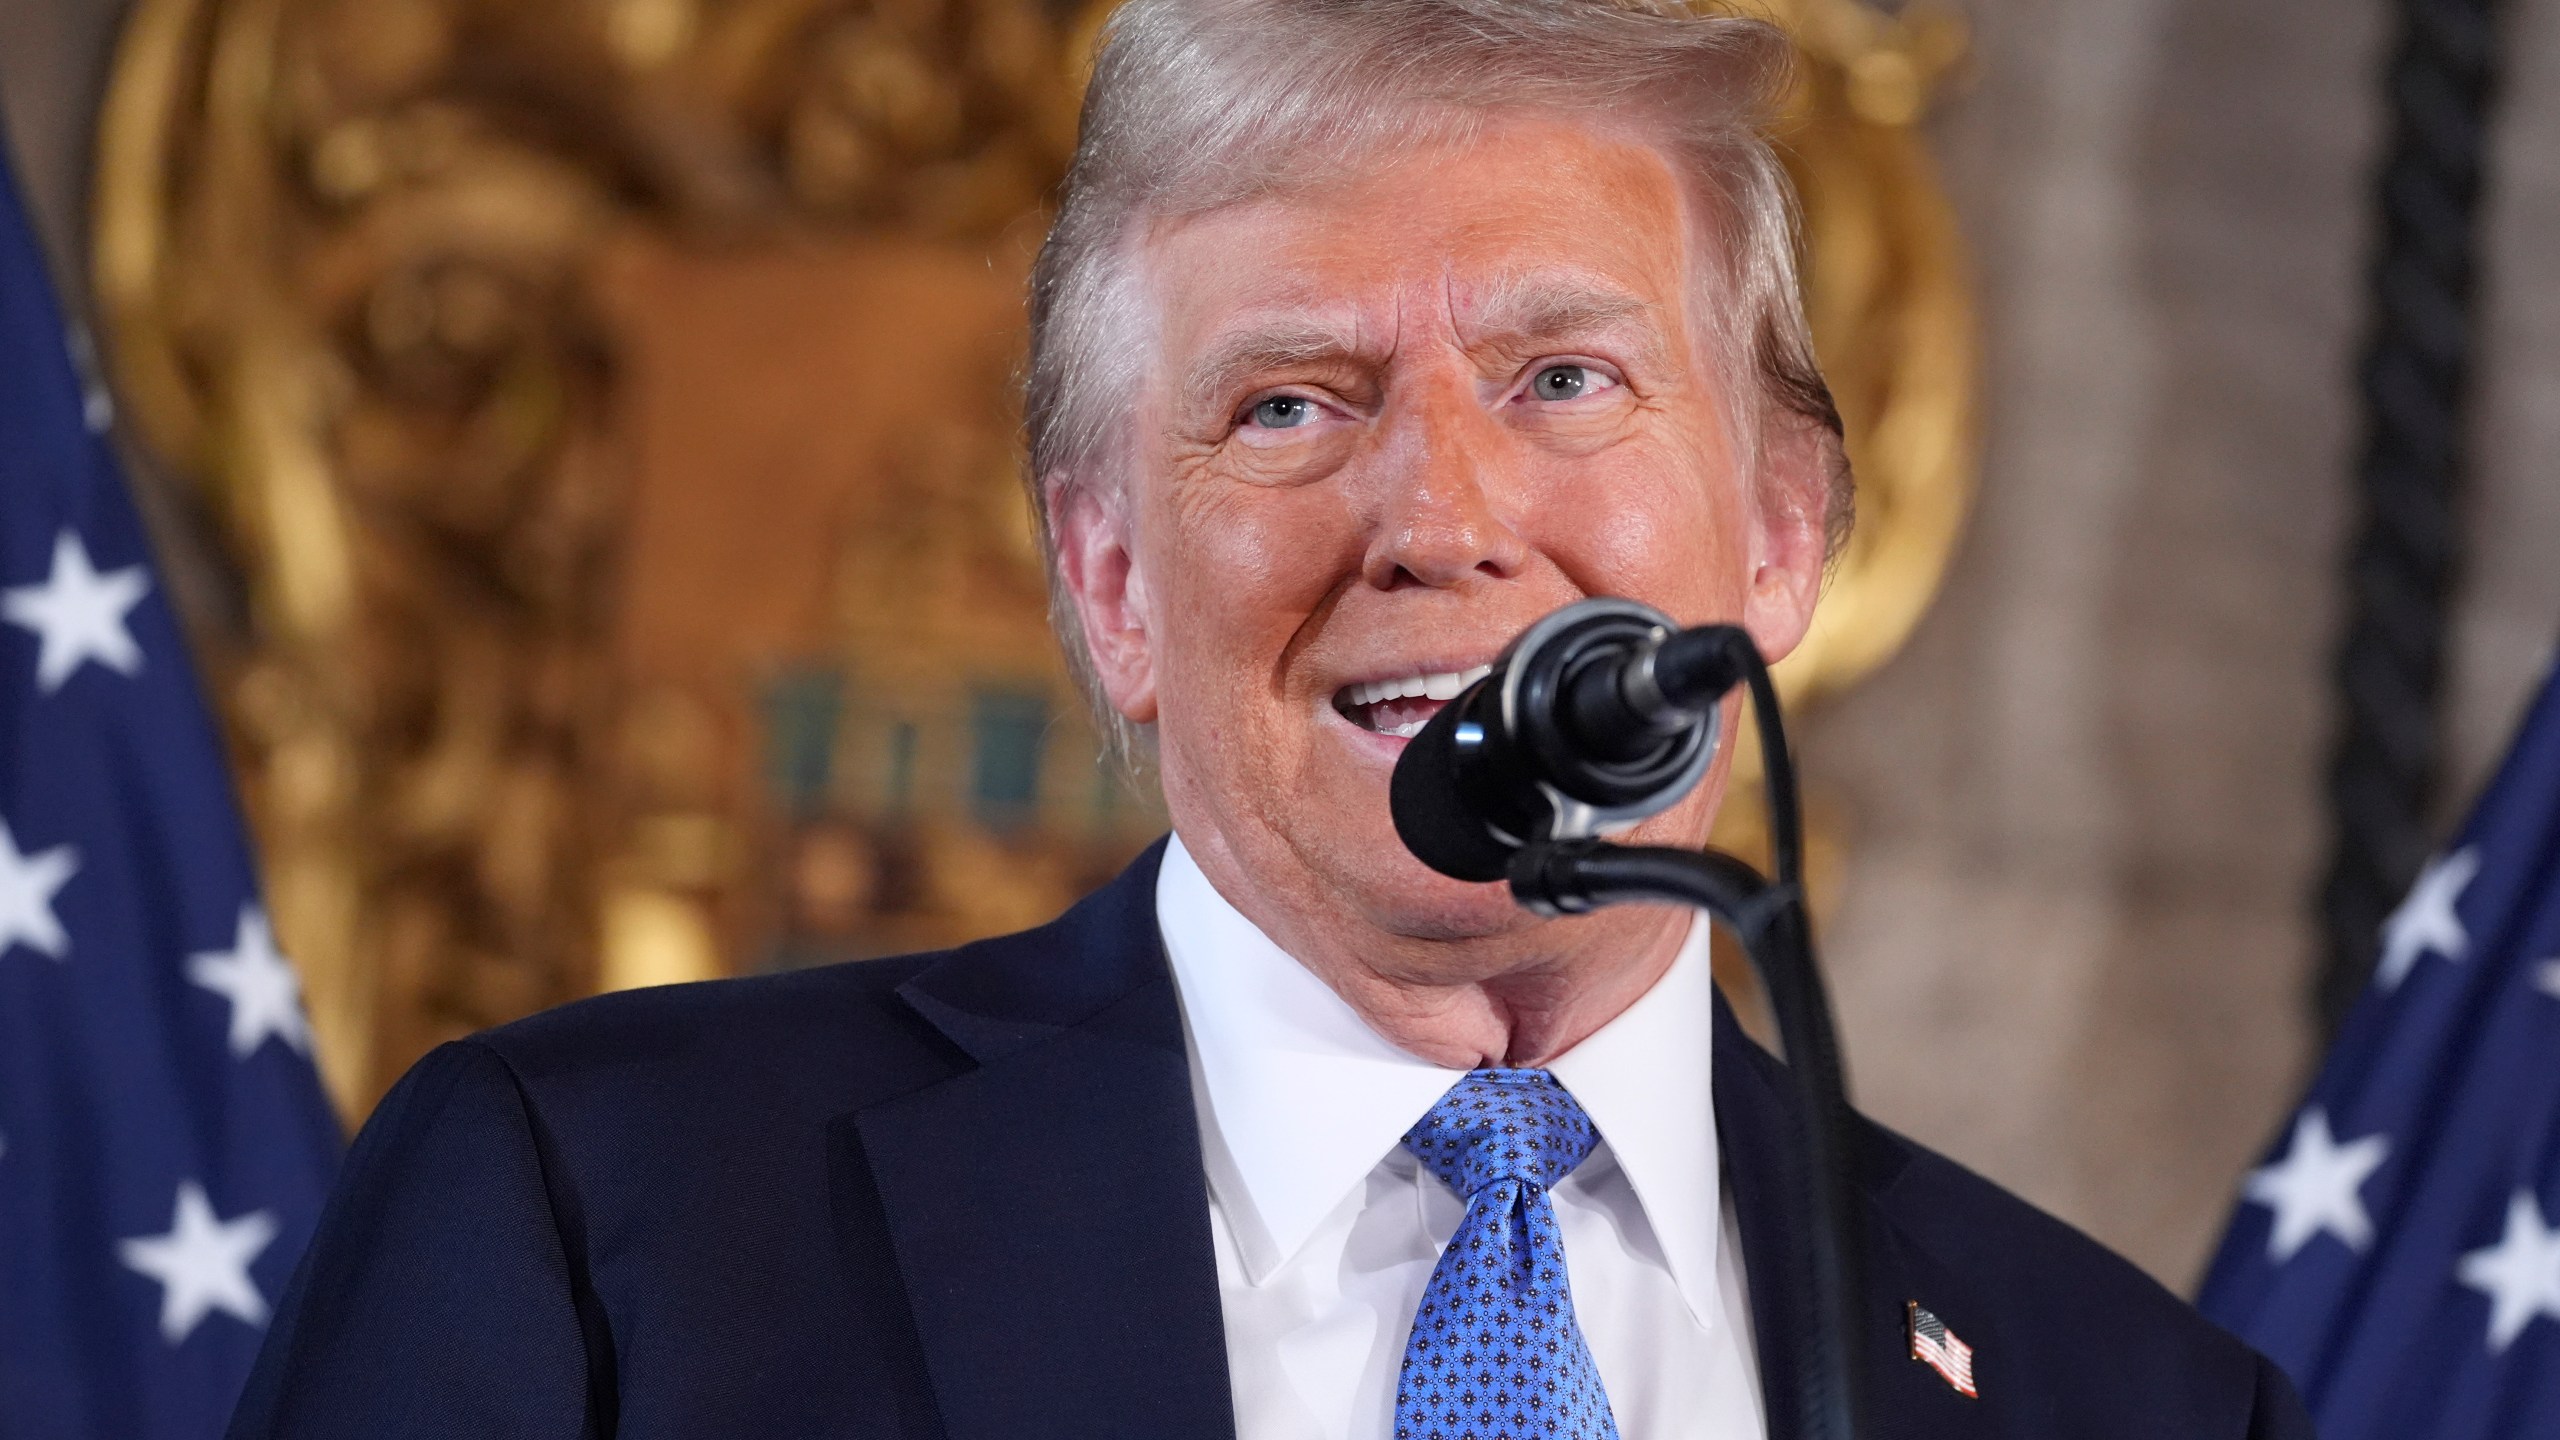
(1936, 1346)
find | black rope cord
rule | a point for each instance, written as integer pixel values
(2402, 569)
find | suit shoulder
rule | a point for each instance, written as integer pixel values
(1975, 1225)
(757, 1056)
(2060, 1300)
(707, 1028)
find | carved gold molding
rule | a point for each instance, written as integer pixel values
(1888, 294)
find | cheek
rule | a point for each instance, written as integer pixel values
(1240, 571)
(1670, 531)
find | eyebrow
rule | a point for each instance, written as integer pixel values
(1277, 345)
(1515, 312)
(1534, 308)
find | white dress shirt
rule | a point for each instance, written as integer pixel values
(1327, 1228)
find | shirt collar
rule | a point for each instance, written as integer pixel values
(1646, 1079)
(1299, 1099)
(1301, 1095)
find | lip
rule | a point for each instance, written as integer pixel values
(1363, 740)
(1391, 686)
(1426, 665)
(1382, 747)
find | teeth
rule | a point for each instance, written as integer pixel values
(1441, 685)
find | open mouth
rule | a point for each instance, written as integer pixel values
(1400, 706)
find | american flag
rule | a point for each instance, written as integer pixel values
(2398, 1253)
(1936, 1346)
(164, 1143)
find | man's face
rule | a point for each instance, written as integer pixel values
(1391, 423)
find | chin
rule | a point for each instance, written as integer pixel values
(1404, 898)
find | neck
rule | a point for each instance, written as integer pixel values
(1517, 998)
(1523, 1017)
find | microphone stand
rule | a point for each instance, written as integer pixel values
(1768, 916)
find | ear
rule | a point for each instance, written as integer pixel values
(1789, 536)
(1108, 589)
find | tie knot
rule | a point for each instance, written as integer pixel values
(1503, 1125)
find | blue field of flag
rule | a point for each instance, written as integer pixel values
(164, 1143)
(2399, 1251)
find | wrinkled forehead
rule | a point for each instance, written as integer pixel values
(1538, 224)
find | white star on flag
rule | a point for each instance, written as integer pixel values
(202, 1264)
(2314, 1187)
(2520, 1274)
(2426, 920)
(2547, 978)
(28, 884)
(78, 614)
(265, 995)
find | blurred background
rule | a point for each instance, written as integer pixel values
(578, 434)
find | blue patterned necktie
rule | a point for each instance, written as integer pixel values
(1495, 1353)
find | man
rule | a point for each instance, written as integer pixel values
(1369, 332)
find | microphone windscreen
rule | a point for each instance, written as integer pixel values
(1435, 823)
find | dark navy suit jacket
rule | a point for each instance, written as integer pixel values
(960, 1195)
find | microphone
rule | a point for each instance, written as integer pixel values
(1596, 717)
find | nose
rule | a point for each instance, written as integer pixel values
(1443, 521)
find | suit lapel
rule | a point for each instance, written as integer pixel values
(1046, 1205)
(1754, 1128)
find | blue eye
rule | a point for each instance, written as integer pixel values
(1283, 412)
(1562, 382)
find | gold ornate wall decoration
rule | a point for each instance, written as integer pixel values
(607, 612)
(1887, 293)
